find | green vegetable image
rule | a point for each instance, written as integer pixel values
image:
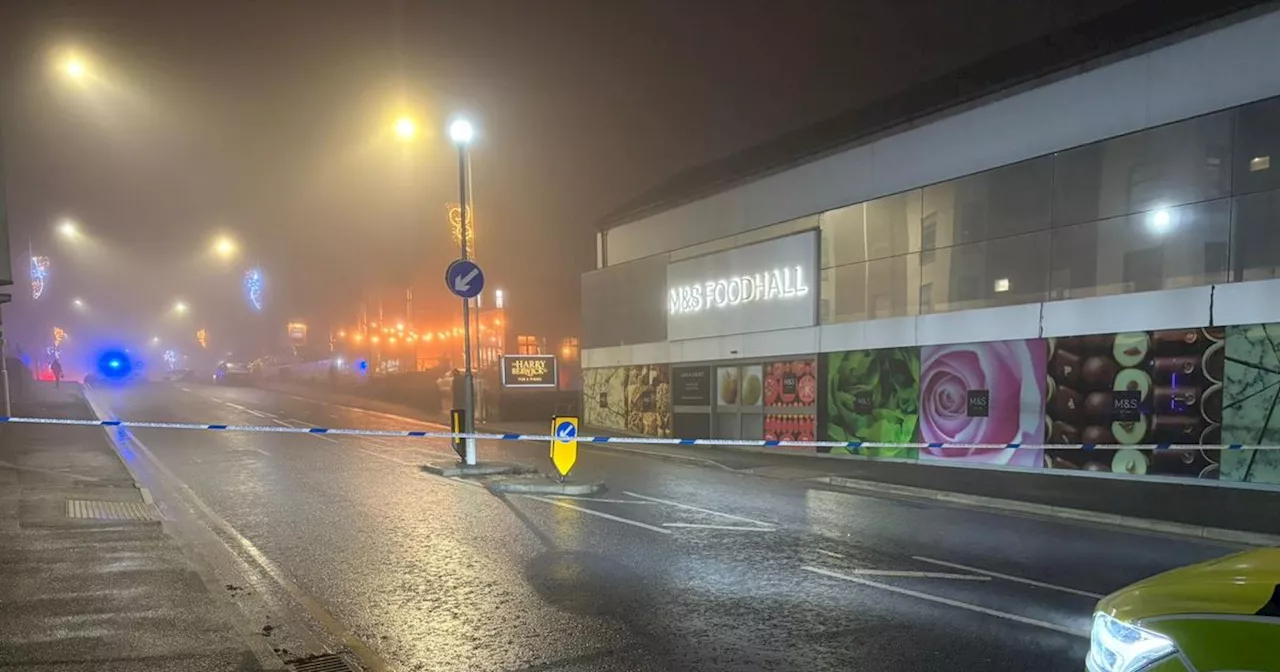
(874, 396)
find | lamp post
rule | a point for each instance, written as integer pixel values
(461, 132)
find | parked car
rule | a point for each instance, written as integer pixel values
(1218, 615)
(232, 373)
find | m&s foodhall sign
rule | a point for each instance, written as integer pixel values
(529, 371)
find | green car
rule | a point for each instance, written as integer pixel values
(1222, 615)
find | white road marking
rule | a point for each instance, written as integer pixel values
(919, 575)
(466, 482)
(606, 501)
(1008, 577)
(185, 389)
(280, 422)
(737, 528)
(601, 514)
(949, 602)
(697, 508)
(829, 553)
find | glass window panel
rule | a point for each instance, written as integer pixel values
(1160, 249)
(1003, 202)
(1000, 272)
(1186, 162)
(884, 227)
(1255, 236)
(872, 289)
(1256, 165)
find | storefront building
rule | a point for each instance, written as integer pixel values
(1089, 259)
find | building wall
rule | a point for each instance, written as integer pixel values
(1209, 72)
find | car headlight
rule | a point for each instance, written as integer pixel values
(1116, 646)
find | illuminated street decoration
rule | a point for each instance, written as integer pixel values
(202, 337)
(58, 336)
(779, 283)
(39, 272)
(253, 288)
(170, 358)
(455, 227)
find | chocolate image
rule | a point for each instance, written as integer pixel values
(1066, 405)
(1133, 380)
(1214, 361)
(1211, 406)
(1100, 371)
(1050, 389)
(1097, 434)
(1177, 340)
(1097, 343)
(1131, 349)
(1174, 374)
(1065, 368)
(1064, 433)
(1097, 406)
(1182, 370)
(1177, 400)
(1177, 429)
(1130, 433)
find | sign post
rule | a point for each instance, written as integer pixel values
(465, 279)
(564, 449)
(458, 425)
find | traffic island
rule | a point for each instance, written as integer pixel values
(478, 470)
(542, 485)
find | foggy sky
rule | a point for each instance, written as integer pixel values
(270, 120)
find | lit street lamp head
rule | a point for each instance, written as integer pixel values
(461, 132)
(181, 307)
(68, 229)
(224, 247)
(405, 128)
(74, 68)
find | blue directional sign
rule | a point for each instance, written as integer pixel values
(566, 430)
(464, 278)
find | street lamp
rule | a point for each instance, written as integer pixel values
(462, 133)
(68, 229)
(406, 128)
(79, 305)
(181, 307)
(225, 247)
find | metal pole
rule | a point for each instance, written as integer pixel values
(4, 373)
(468, 407)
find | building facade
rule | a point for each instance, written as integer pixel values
(1091, 259)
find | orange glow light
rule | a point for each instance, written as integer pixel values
(342, 333)
(392, 340)
(357, 338)
(373, 339)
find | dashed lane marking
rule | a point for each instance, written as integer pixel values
(601, 514)
(699, 509)
(1009, 577)
(949, 602)
(736, 528)
(918, 575)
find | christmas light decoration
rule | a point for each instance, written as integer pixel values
(39, 272)
(253, 288)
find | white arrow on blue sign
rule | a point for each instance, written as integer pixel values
(566, 431)
(464, 278)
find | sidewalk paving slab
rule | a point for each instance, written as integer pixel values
(93, 594)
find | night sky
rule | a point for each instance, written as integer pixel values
(272, 120)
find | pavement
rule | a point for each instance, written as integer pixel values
(348, 545)
(103, 592)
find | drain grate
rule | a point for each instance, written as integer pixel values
(329, 662)
(87, 509)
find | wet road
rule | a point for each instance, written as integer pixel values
(677, 567)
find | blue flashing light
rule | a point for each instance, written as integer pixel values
(115, 365)
(364, 365)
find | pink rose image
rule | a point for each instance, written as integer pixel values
(1013, 373)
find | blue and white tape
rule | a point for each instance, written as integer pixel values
(417, 434)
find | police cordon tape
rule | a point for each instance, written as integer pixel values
(756, 443)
